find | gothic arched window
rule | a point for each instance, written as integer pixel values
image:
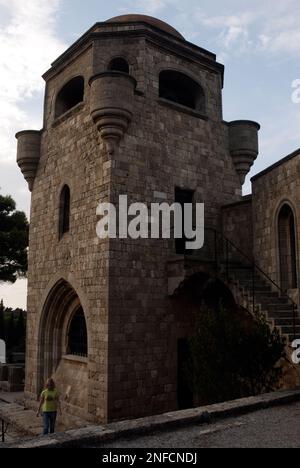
(64, 211)
(77, 335)
(69, 96)
(181, 89)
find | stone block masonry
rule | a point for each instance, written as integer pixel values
(142, 135)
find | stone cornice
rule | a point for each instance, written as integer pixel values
(143, 30)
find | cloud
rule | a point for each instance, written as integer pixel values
(262, 26)
(154, 6)
(271, 27)
(232, 30)
(28, 43)
(150, 7)
(277, 139)
(280, 27)
(14, 295)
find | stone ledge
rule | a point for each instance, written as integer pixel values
(75, 359)
(70, 113)
(181, 108)
(101, 434)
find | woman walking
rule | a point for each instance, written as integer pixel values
(49, 406)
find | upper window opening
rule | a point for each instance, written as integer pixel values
(64, 211)
(77, 336)
(181, 89)
(69, 96)
(119, 64)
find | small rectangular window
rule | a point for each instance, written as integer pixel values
(183, 197)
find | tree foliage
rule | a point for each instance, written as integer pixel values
(233, 356)
(13, 241)
(13, 328)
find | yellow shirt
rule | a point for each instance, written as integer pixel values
(50, 401)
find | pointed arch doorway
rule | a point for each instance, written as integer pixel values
(63, 345)
(287, 248)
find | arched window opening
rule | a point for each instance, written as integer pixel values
(181, 89)
(119, 64)
(77, 336)
(69, 96)
(64, 211)
(287, 248)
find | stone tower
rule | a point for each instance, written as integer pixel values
(131, 108)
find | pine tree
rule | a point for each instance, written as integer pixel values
(13, 241)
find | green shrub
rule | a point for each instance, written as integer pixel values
(233, 355)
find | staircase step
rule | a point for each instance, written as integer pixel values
(274, 299)
(245, 275)
(278, 307)
(278, 303)
(265, 292)
(264, 288)
(281, 315)
(260, 282)
(289, 329)
(274, 308)
(281, 322)
(292, 337)
(269, 293)
(257, 287)
(248, 278)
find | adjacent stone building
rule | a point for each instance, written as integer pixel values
(133, 108)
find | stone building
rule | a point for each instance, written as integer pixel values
(133, 108)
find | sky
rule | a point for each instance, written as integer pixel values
(258, 41)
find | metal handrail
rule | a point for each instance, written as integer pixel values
(252, 261)
(254, 267)
(218, 254)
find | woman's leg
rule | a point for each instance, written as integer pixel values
(46, 421)
(52, 422)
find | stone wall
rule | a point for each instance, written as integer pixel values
(71, 378)
(122, 285)
(237, 225)
(70, 154)
(164, 148)
(271, 190)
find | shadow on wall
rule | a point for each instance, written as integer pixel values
(225, 353)
(202, 289)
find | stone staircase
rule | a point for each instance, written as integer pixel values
(278, 309)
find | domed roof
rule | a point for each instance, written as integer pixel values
(146, 19)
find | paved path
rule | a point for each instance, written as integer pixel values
(276, 427)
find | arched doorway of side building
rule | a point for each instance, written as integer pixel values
(287, 248)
